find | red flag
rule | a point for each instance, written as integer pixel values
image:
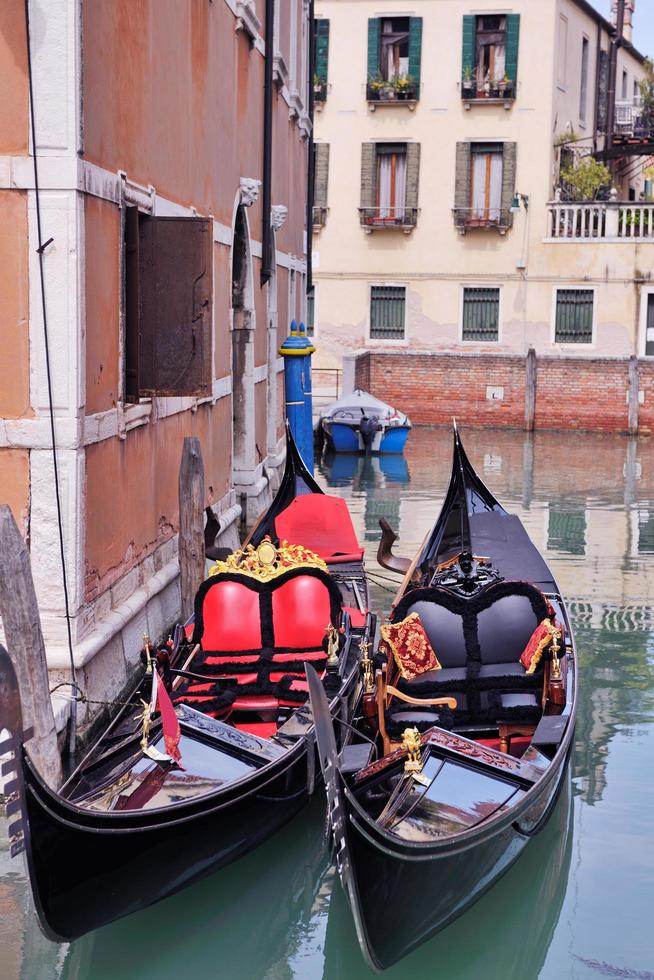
(170, 722)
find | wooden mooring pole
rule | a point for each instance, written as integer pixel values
(530, 390)
(633, 403)
(24, 639)
(191, 522)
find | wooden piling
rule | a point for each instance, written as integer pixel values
(530, 390)
(634, 386)
(22, 625)
(191, 522)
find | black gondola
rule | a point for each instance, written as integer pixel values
(474, 751)
(131, 825)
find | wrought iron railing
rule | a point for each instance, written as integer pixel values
(389, 217)
(469, 218)
(473, 90)
(403, 91)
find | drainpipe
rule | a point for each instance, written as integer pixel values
(597, 85)
(616, 44)
(267, 257)
(312, 157)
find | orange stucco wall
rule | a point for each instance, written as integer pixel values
(102, 235)
(14, 325)
(15, 484)
(129, 523)
(13, 72)
(168, 117)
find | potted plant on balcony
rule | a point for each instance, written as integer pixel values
(376, 86)
(468, 83)
(404, 88)
(505, 86)
(319, 88)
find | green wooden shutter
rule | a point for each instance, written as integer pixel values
(322, 49)
(368, 179)
(512, 42)
(374, 44)
(462, 183)
(509, 160)
(415, 47)
(412, 181)
(468, 57)
(321, 175)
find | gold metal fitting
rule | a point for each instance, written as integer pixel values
(412, 745)
(148, 655)
(332, 646)
(366, 666)
(555, 668)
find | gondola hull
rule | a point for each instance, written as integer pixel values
(140, 861)
(429, 889)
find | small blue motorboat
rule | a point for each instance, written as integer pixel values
(360, 423)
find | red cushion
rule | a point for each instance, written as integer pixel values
(342, 559)
(358, 619)
(321, 523)
(310, 655)
(231, 618)
(264, 729)
(256, 702)
(301, 612)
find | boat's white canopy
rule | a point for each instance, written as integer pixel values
(361, 403)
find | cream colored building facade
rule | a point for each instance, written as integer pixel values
(448, 264)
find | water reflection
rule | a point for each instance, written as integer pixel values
(576, 904)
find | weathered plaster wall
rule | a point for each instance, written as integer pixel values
(13, 72)
(14, 326)
(102, 284)
(15, 484)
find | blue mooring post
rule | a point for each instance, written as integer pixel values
(308, 400)
(293, 350)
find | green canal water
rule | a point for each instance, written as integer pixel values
(579, 902)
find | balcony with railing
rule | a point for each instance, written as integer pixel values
(471, 219)
(389, 218)
(611, 221)
(485, 90)
(633, 122)
(396, 91)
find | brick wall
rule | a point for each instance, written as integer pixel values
(571, 393)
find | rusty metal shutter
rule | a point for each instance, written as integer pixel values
(368, 179)
(462, 183)
(175, 273)
(508, 182)
(412, 182)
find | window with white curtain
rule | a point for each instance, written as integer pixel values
(486, 182)
(391, 181)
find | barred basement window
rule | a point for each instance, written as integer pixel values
(481, 314)
(387, 310)
(574, 316)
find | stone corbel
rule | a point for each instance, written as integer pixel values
(278, 215)
(247, 20)
(294, 105)
(280, 71)
(249, 187)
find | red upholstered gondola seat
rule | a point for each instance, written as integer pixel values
(258, 634)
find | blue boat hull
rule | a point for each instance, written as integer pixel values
(347, 439)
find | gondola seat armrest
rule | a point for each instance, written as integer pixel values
(394, 692)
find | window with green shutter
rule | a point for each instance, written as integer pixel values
(481, 313)
(489, 58)
(574, 316)
(394, 55)
(387, 312)
(321, 60)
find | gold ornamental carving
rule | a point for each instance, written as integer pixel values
(266, 562)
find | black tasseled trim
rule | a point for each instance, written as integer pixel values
(474, 605)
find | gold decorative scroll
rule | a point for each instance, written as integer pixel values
(268, 562)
